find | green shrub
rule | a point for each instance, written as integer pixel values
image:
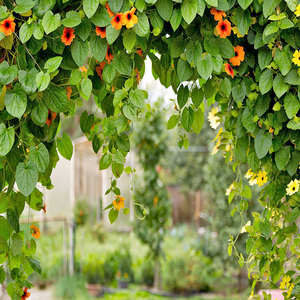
(189, 273)
(145, 272)
(124, 263)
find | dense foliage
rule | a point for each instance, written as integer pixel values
(241, 54)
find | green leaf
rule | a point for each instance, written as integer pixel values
(27, 80)
(105, 161)
(265, 227)
(115, 5)
(282, 157)
(72, 19)
(283, 61)
(198, 120)
(292, 4)
(39, 114)
(293, 164)
(172, 122)
(7, 139)
(247, 120)
(164, 8)
(101, 18)
(16, 102)
(177, 46)
(184, 70)
(90, 7)
(123, 63)
(50, 22)
(4, 204)
(113, 215)
(189, 10)
(264, 57)
(117, 169)
(65, 146)
(226, 48)
(17, 244)
(175, 19)
(38, 31)
(292, 77)
(119, 158)
(279, 86)
(129, 39)
(187, 118)
(197, 96)
(79, 51)
(3, 245)
(2, 275)
(111, 34)
(35, 200)
(239, 92)
(86, 121)
(26, 31)
(291, 105)
(109, 73)
(214, 3)
(26, 177)
(56, 99)
(142, 28)
(84, 29)
(243, 20)
(263, 143)
(42, 80)
(269, 7)
(225, 87)
(266, 81)
(7, 73)
(244, 3)
(137, 98)
(193, 52)
(40, 156)
(205, 67)
(86, 86)
(23, 6)
(96, 143)
(35, 265)
(183, 95)
(129, 111)
(53, 63)
(75, 77)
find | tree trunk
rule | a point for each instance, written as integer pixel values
(157, 275)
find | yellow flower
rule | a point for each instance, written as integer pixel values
(293, 187)
(228, 147)
(119, 202)
(249, 174)
(253, 180)
(271, 130)
(216, 149)
(297, 11)
(213, 119)
(290, 290)
(296, 59)
(285, 282)
(261, 178)
(251, 296)
(126, 275)
(83, 69)
(229, 190)
(35, 231)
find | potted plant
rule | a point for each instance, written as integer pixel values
(125, 273)
(93, 272)
(122, 280)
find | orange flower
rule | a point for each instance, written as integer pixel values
(99, 69)
(44, 207)
(224, 28)
(101, 31)
(229, 70)
(35, 232)
(239, 56)
(8, 26)
(118, 21)
(111, 14)
(138, 77)
(68, 36)
(109, 57)
(119, 202)
(83, 69)
(51, 117)
(25, 294)
(69, 92)
(140, 52)
(130, 18)
(218, 14)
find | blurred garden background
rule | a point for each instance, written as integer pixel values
(173, 240)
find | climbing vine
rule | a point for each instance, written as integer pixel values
(242, 56)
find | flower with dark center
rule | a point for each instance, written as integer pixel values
(68, 36)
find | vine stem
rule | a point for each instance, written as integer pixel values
(28, 51)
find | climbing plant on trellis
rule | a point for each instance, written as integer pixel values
(241, 56)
